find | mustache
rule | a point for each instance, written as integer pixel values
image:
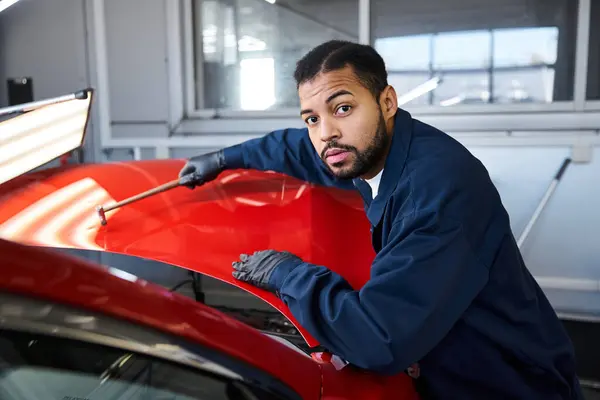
(336, 145)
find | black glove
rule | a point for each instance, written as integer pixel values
(257, 268)
(201, 169)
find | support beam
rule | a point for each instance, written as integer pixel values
(581, 54)
(174, 62)
(364, 21)
(101, 61)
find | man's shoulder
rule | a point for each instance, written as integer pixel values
(436, 155)
(440, 171)
(433, 144)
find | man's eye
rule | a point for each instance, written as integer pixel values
(311, 120)
(343, 109)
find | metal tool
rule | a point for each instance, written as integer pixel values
(102, 210)
(20, 108)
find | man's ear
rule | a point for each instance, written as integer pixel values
(388, 100)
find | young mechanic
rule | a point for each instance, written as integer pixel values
(448, 286)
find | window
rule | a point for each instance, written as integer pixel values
(463, 87)
(257, 83)
(461, 50)
(405, 82)
(245, 51)
(42, 367)
(503, 52)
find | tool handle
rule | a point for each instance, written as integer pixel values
(169, 185)
(562, 169)
(79, 95)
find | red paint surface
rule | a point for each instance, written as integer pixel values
(205, 229)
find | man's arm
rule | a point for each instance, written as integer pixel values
(421, 283)
(288, 151)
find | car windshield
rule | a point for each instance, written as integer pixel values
(37, 366)
(233, 301)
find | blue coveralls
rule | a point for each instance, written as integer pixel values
(448, 287)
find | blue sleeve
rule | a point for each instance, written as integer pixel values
(288, 151)
(421, 283)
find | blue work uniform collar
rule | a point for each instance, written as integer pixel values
(392, 171)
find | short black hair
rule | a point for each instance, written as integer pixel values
(367, 64)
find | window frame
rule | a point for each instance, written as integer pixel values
(585, 104)
(36, 316)
(579, 102)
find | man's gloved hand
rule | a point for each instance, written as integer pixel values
(257, 268)
(203, 168)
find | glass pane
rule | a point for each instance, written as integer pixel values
(449, 50)
(394, 51)
(462, 88)
(257, 83)
(531, 46)
(251, 47)
(593, 78)
(526, 50)
(218, 32)
(404, 83)
(215, 44)
(37, 366)
(533, 85)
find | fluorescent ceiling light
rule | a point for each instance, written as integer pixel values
(419, 91)
(271, 1)
(452, 101)
(4, 4)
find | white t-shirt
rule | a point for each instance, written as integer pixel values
(374, 183)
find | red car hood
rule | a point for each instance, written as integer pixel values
(204, 230)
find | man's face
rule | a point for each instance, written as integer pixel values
(346, 124)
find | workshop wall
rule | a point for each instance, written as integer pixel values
(137, 66)
(47, 42)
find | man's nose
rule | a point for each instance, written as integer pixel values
(329, 131)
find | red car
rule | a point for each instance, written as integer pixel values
(74, 330)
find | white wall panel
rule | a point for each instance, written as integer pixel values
(137, 130)
(137, 60)
(44, 40)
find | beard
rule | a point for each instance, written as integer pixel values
(365, 160)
